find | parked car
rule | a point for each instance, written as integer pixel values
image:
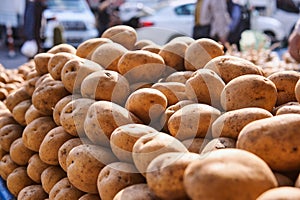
(75, 18)
(177, 19)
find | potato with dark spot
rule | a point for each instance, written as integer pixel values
(8, 134)
(7, 166)
(50, 176)
(63, 189)
(32, 192)
(36, 167)
(219, 143)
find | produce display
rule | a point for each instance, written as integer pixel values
(119, 118)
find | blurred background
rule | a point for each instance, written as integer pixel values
(74, 21)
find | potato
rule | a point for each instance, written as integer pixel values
(41, 62)
(288, 108)
(35, 132)
(174, 91)
(103, 118)
(64, 150)
(141, 66)
(74, 71)
(148, 104)
(90, 197)
(48, 150)
(149, 146)
(195, 145)
(297, 91)
(108, 55)
(87, 47)
(285, 82)
(193, 120)
(3, 94)
(2, 152)
(188, 40)
(20, 110)
(84, 163)
(261, 136)
(42, 79)
(16, 97)
(62, 48)
(229, 67)
(32, 192)
(36, 167)
(136, 192)
(287, 193)
(165, 174)
(73, 114)
(47, 94)
(8, 134)
(153, 48)
(205, 86)
(200, 52)
(230, 167)
(115, 177)
(64, 190)
(19, 153)
(105, 85)
(249, 90)
(230, 123)
(32, 113)
(18, 180)
(181, 76)
(283, 180)
(142, 43)
(173, 54)
(7, 166)
(60, 105)
(122, 34)
(50, 176)
(124, 137)
(57, 62)
(219, 143)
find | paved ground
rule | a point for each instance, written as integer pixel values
(11, 62)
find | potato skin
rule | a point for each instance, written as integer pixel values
(282, 131)
(19, 153)
(50, 176)
(136, 192)
(7, 166)
(32, 192)
(36, 167)
(63, 189)
(281, 193)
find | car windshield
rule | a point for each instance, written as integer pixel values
(74, 5)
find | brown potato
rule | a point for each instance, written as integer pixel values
(230, 123)
(20, 110)
(153, 48)
(297, 91)
(90, 197)
(103, 118)
(73, 114)
(136, 192)
(141, 66)
(285, 82)
(63, 189)
(48, 150)
(32, 113)
(35, 132)
(122, 34)
(8, 134)
(19, 153)
(165, 174)
(205, 86)
(115, 177)
(249, 90)
(47, 94)
(287, 193)
(74, 71)
(50, 176)
(106, 85)
(16, 97)
(188, 40)
(148, 104)
(32, 192)
(108, 55)
(41, 62)
(7, 166)
(200, 52)
(149, 146)
(84, 163)
(193, 120)
(195, 145)
(124, 137)
(180, 77)
(229, 67)
(288, 108)
(87, 47)
(280, 131)
(235, 175)
(142, 43)
(36, 167)
(219, 143)
(62, 48)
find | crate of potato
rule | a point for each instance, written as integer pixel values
(124, 119)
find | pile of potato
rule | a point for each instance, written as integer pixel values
(124, 119)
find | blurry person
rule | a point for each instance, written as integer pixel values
(240, 21)
(211, 20)
(294, 42)
(108, 14)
